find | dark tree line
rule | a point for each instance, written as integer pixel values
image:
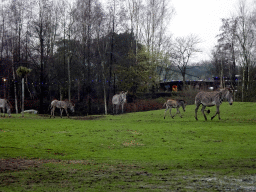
(80, 51)
(86, 51)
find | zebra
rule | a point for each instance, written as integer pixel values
(209, 99)
(5, 104)
(61, 105)
(171, 103)
(119, 99)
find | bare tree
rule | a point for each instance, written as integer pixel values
(221, 62)
(116, 18)
(227, 42)
(184, 49)
(85, 16)
(65, 12)
(16, 32)
(102, 29)
(245, 33)
(3, 30)
(134, 8)
(155, 18)
(44, 28)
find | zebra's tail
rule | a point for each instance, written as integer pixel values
(50, 107)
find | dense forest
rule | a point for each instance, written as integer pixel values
(87, 51)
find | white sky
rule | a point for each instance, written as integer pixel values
(202, 18)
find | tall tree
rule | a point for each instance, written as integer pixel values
(184, 49)
(227, 42)
(16, 17)
(155, 19)
(102, 29)
(245, 33)
(221, 62)
(44, 27)
(22, 72)
(86, 14)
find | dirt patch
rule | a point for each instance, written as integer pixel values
(21, 164)
(94, 117)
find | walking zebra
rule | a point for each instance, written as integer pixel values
(171, 103)
(209, 99)
(61, 105)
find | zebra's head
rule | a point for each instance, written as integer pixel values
(227, 94)
(72, 107)
(123, 96)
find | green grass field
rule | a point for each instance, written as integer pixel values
(131, 152)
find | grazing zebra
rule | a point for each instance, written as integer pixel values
(209, 99)
(61, 105)
(5, 104)
(171, 103)
(119, 99)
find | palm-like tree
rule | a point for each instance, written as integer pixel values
(22, 72)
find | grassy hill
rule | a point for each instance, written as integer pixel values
(130, 152)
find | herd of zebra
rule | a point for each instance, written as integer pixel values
(206, 99)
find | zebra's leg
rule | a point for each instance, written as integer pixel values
(217, 112)
(2, 114)
(122, 108)
(166, 110)
(67, 112)
(117, 108)
(9, 112)
(197, 107)
(61, 110)
(203, 108)
(52, 112)
(178, 112)
(4, 111)
(171, 111)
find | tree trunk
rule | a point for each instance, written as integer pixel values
(184, 81)
(61, 96)
(15, 88)
(105, 96)
(22, 105)
(69, 80)
(89, 60)
(78, 90)
(41, 68)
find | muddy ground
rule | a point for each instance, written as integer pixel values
(175, 180)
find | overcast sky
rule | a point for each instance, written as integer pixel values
(202, 18)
